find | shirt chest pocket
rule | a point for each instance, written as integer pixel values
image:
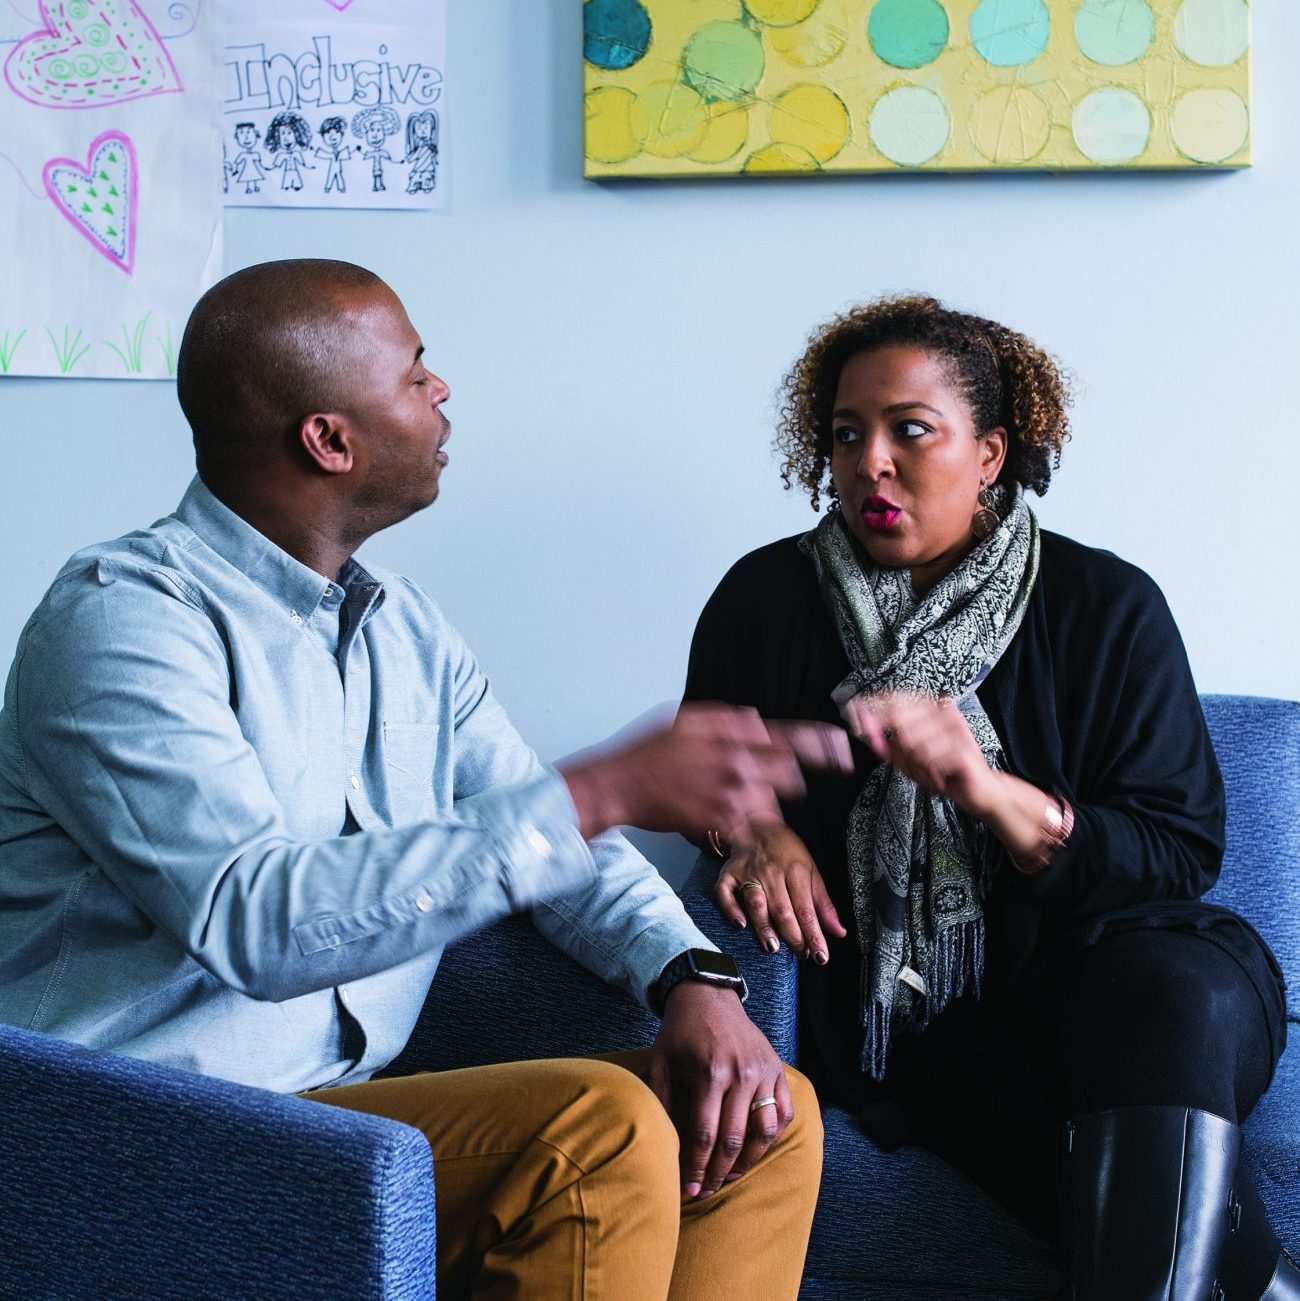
(410, 761)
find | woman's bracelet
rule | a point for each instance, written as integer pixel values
(1053, 835)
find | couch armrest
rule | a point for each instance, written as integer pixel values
(773, 978)
(1257, 740)
(508, 994)
(122, 1178)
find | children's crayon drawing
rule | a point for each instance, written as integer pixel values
(333, 104)
(90, 53)
(100, 198)
(110, 207)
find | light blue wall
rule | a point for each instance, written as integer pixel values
(613, 350)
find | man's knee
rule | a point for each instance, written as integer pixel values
(624, 1095)
(804, 1133)
(614, 1118)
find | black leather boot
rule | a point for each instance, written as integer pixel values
(1285, 1283)
(1145, 1195)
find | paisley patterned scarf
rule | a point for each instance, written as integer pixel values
(919, 868)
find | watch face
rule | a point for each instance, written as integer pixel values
(708, 963)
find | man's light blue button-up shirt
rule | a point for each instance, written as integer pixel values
(242, 809)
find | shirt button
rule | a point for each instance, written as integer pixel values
(538, 843)
(355, 782)
(423, 903)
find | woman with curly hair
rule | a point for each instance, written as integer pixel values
(1000, 907)
(286, 138)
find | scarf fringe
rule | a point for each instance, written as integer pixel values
(957, 969)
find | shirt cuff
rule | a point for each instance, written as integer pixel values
(655, 948)
(534, 830)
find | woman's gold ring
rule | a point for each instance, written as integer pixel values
(751, 884)
(759, 1103)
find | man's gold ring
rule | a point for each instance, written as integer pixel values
(751, 884)
(759, 1103)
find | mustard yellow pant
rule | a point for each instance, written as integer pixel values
(559, 1179)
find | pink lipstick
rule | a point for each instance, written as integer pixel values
(880, 514)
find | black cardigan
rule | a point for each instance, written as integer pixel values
(1093, 699)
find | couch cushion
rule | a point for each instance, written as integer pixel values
(906, 1224)
(1273, 1149)
(1258, 743)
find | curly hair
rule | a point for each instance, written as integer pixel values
(1005, 378)
(296, 123)
(390, 122)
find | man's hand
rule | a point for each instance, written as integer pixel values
(715, 768)
(708, 1065)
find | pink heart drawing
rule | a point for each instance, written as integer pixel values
(99, 199)
(91, 53)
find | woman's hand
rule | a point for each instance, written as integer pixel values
(789, 899)
(929, 741)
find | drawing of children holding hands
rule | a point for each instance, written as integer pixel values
(421, 151)
(374, 126)
(287, 136)
(332, 131)
(247, 166)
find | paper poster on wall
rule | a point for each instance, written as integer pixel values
(110, 216)
(334, 104)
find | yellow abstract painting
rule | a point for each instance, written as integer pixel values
(720, 87)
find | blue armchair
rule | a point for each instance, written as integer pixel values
(120, 1179)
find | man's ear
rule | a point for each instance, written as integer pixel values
(327, 438)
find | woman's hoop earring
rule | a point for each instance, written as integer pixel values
(986, 518)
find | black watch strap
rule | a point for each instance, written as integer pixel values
(706, 966)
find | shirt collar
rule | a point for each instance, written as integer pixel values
(235, 540)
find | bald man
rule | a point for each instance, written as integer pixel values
(249, 789)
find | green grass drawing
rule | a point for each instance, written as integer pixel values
(70, 351)
(8, 347)
(131, 353)
(168, 346)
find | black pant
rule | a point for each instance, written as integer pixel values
(1140, 1017)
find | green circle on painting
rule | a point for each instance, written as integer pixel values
(1114, 32)
(909, 125)
(1111, 126)
(908, 33)
(723, 61)
(1009, 33)
(1213, 33)
(59, 69)
(114, 61)
(78, 9)
(86, 65)
(95, 34)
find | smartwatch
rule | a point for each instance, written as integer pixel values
(702, 965)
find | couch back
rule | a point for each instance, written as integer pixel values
(1257, 740)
